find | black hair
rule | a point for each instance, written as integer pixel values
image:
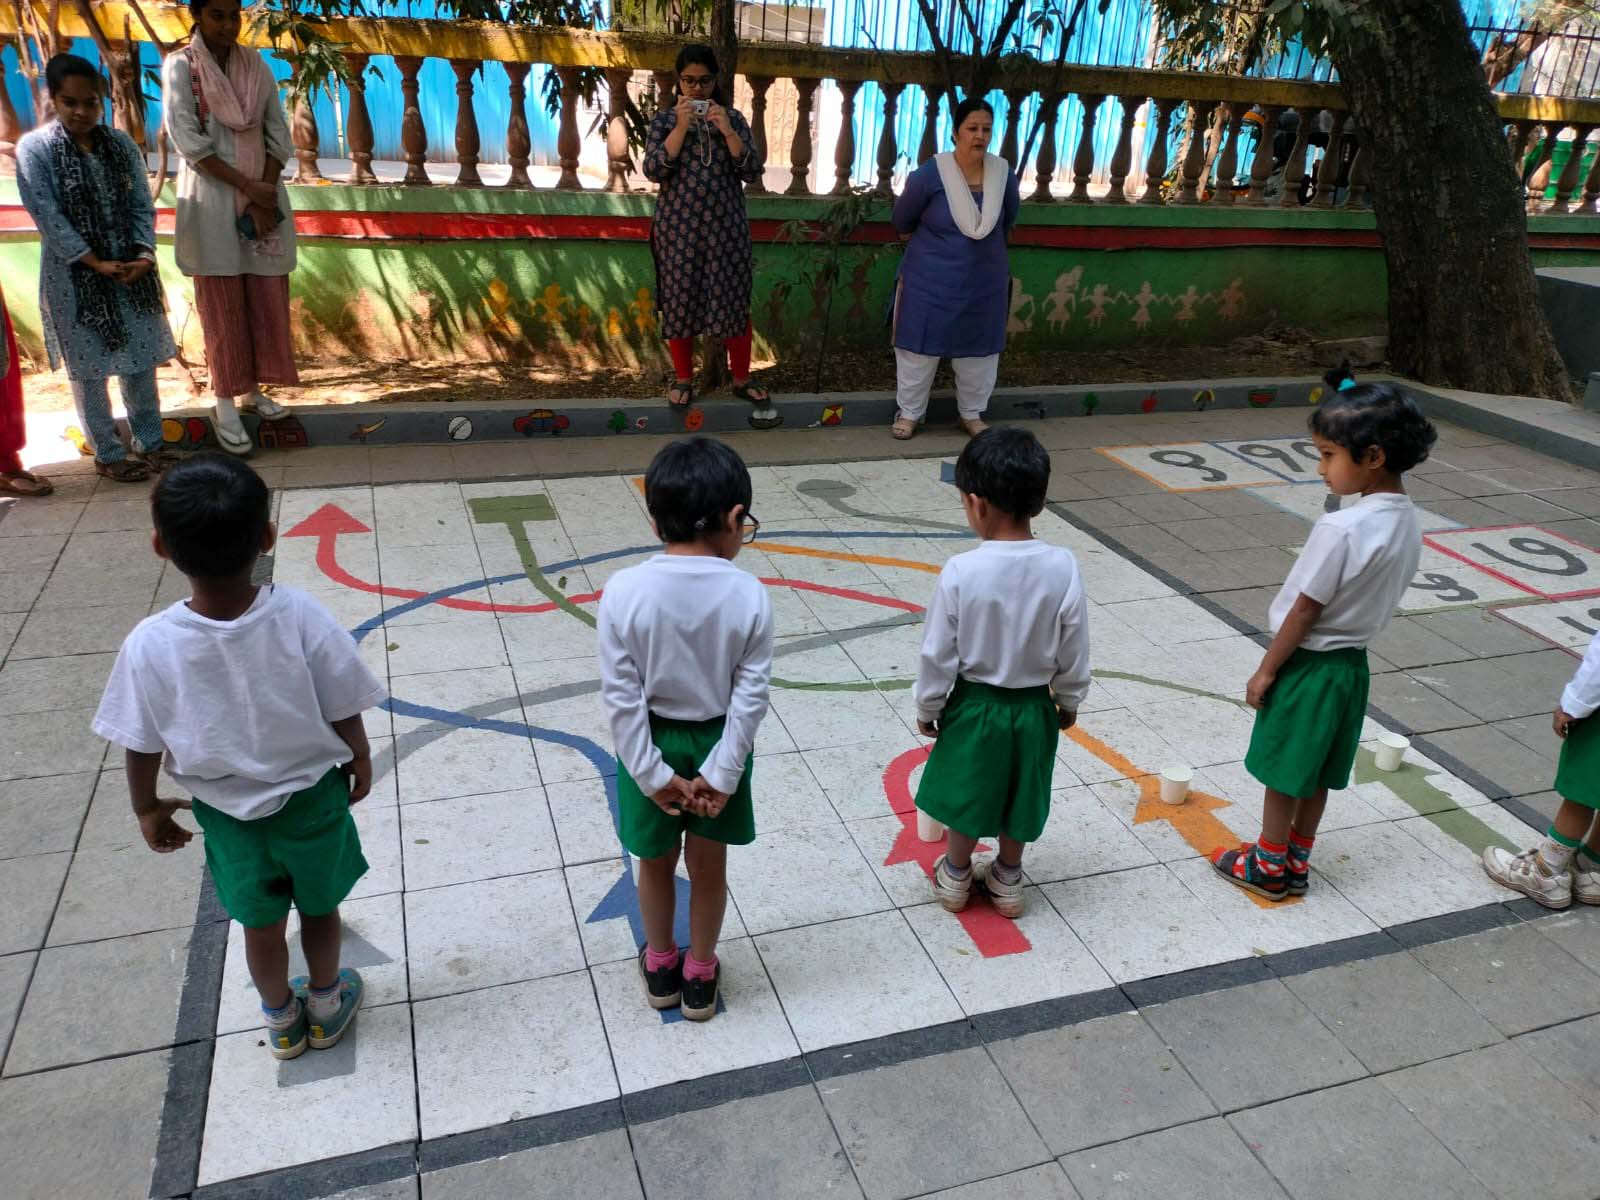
(1007, 467)
(1340, 376)
(211, 511)
(702, 55)
(68, 66)
(692, 485)
(196, 7)
(967, 107)
(1376, 414)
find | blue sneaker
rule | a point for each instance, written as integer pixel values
(326, 1033)
(290, 1042)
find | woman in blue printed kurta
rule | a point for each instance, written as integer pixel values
(99, 293)
(952, 296)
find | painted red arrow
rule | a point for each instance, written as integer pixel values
(991, 933)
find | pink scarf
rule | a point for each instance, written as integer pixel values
(239, 100)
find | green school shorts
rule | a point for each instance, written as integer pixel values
(993, 763)
(645, 830)
(1307, 733)
(307, 852)
(1578, 775)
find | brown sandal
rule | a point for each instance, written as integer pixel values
(24, 483)
(681, 394)
(904, 429)
(124, 470)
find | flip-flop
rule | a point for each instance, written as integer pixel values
(239, 445)
(124, 470)
(24, 483)
(263, 406)
(754, 393)
(682, 388)
(903, 429)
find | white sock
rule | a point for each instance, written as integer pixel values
(281, 1018)
(226, 414)
(323, 1005)
(1554, 855)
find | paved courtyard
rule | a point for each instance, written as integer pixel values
(1145, 1029)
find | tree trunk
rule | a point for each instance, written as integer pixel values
(1463, 302)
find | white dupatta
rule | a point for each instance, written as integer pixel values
(958, 194)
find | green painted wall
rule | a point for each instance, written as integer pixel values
(589, 301)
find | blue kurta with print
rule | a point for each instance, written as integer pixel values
(125, 200)
(954, 292)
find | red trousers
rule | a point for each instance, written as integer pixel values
(738, 355)
(13, 428)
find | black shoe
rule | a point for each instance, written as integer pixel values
(663, 988)
(700, 997)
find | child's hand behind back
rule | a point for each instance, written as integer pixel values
(675, 797)
(358, 774)
(161, 833)
(711, 802)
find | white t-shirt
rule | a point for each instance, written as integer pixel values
(243, 709)
(688, 637)
(1357, 563)
(1010, 614)
(1582, 696)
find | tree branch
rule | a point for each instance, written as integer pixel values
(941, 52)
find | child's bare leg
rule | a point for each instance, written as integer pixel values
(1573, 822)
(1011, 851)
(708, 893)
(266, 953)
(1278, 814)
(320, 938)
(1308, 813)
(658, 899)
(958, 848)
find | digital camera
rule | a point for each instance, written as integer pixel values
(701, 107)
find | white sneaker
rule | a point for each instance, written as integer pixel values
(952, 893)
(1585, 884)
(1006, 897)
(1526, 873)
(263, 406)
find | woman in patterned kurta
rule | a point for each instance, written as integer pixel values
(700, 237)
(99, 294)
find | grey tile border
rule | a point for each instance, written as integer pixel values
(478, 1144)
(690, 1095)
(1052, 1014)
(327, 1177)
(1161, 989)
(1452, 925)
(856, 1057)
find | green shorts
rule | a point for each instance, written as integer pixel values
(1308, 731)
(648, 832)
(1578, 775)
(307, 852)
(994, 761)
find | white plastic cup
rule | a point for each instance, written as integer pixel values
(928, 830)
(1391, 750)
(1175, 783)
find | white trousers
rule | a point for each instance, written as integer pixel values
(914, 380)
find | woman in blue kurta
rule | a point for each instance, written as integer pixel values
(952, 298)
(99, 294)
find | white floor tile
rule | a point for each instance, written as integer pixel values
(467, 762)
(474, 692)
(379, 828)
(818, 720)
(786, 794)
(802, 876)
(607, 910)
(1272, 927)
(1376, 868)
(584, 825)
(463, 645)
(1082, 837)
(478, 837)
(852, 775)
(489, 932)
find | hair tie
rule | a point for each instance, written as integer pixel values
(1347, 383)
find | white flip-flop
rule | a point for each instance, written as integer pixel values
(235, 441)
(264, 406)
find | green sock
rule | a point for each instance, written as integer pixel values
(1557, 851)
(1589, 859)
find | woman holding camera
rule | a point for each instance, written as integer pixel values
(234, 234)
(701, 154)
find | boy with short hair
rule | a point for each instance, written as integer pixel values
(254, 694)
(1310, 692)
(685, 649)
(1565, 866)
(1008, 627)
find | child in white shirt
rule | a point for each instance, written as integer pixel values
(1566, 865)
(685, 648)
(1007, 627)
(1310, 692)
(254, 695)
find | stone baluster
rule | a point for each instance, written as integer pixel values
(1295, 172)
(800, 147)
(413, 133)
(1261, 162)
(666, 89)
(1122, 156)
(1568, 183)
(1517, 140)
(303, 132)
(758, 125)
(1045, 165)
(467, 142)
(1540, 179)
(1011, 141)
(519, 144)
(1156, 163)
(617, 159)
(567, 143)
(887, 150)
(844, 150)
(928, 145)
(1360, 174)
(1591, 189)
(1228, 160)
(357, 121)
(1328, 177)
(10, 133)
(1083, 160)
(1195, 158)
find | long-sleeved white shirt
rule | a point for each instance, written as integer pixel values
(1581, 697)
(688, 637)
(1011, 614)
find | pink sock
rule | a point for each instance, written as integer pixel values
(693, 968)
(654, 960)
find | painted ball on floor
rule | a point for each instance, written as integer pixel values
(460, 429)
